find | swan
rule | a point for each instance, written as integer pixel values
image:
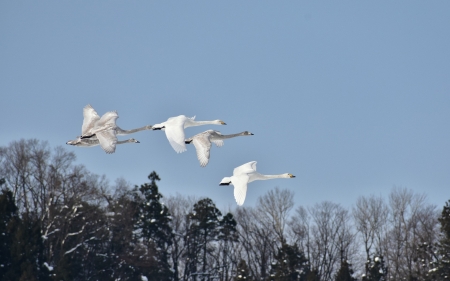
(93, 141)
(202, 143)
(245, 174)
(174, 128)
(90, 125)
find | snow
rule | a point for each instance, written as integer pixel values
(50, 268)
(144, 278)
(152, 221)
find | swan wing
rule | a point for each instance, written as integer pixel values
(247, 168)
(107, 140)
(203, 147)
(107, 121)
(90, 118)
(175, 134)
(240, 188)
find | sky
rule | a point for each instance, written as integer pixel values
(352, 97)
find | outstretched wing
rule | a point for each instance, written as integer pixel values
(240, 188)
(175, 134)
(203, 147)
(107, 140)
(247, 168)
(90, 118)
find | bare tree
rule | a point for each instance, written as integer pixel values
(370, 215)
(412, 222)
(274, 208)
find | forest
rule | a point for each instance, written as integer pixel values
(59, 221)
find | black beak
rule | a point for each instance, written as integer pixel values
(224, 183)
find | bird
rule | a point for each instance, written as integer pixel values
(174, 128)
(102, 131)
(91, 119)
(202, 143)
(245, 174)
(93, 141)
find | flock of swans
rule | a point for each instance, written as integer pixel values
(103, 131)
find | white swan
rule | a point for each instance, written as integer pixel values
(93, 141)
(202, 143)
(174, 128)
(245, 174)
(91, 124)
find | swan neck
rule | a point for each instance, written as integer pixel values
(120, 131)
(268, 177)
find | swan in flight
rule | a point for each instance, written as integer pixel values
(202, 143)
(102, 130)
(174, 128)
(93, 141)
(93, 123)
(245, 174)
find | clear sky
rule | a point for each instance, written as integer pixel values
(352, 97)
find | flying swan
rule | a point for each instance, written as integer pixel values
(93, 141)
(174, 128)
(91, 125)
(245, 174)
(202, 143)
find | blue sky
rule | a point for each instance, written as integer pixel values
(351, 97)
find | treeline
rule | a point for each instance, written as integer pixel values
(58, 221)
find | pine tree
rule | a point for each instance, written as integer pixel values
(227, 236)
(290, 264)
(154, 227)
(9, 221)
(443, 265)
(376, 270)
(242, 272)
(345, 272)
(202, 231)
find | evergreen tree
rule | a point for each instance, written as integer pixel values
(202, 231)
(376, 270)
(312, 275)
(243, 272)
(9, 221)
(345, 272)
(227, 236)
(290, 264)
(154, 229)
(27, 253)
(443, 263)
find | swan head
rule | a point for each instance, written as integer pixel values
(289, 175)
(247, 133)
(225, 181)
(134, 140)
(74, 142)
(219, 122)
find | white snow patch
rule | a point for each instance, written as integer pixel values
(144, 278)
(50, 268)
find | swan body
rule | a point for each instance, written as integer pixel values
(102, 131)
(174, 128)
(93, 141)
(202, 143)
(93, 123)
(245, 174)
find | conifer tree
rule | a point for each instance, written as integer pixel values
(243, 272)
(155, 231)
(376, 270)
(443, 264)
(227, 236)
(202, 231)
(290, 264)
(9, 221)
(345, 272)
